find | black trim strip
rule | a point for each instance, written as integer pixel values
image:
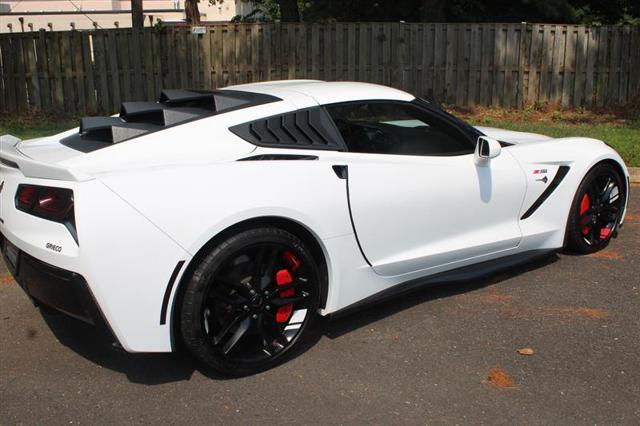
(8, 163)
(275, 157)
(345, 176)
(462, 274)
(167, 293)
(560, 174)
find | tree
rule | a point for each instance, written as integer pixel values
(560, 11)
(191, 11)
(289, 11)
(137, 17)
(269, 10)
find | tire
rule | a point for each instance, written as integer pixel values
(233, 317)
(596, 209)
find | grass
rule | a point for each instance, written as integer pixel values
(36, 126)
(620, 129)
(625, 140)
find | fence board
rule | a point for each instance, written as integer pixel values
(33, 85)
(568, 66)
(8, 74)
(78, 72)
(614, 70)
(581, 64)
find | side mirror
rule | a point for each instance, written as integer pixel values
(486, 149)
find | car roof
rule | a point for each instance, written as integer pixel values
(325, 92)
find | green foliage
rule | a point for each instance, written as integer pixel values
(31, 127)
(623, 138)
(594, 12)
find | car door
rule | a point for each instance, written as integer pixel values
(418, 200)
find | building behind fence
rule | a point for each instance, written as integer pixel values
(507, 65)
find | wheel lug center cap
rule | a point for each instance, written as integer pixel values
(257, 301)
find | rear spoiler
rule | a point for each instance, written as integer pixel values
(10, 156)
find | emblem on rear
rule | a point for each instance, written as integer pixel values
(54, 247)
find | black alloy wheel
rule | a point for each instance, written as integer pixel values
(250, 301)
(597, 209)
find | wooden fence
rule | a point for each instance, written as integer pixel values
(508, 65)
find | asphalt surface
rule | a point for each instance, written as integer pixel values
(441, 355)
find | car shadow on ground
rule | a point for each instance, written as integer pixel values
(154, 369)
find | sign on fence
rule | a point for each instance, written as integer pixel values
(507, 65)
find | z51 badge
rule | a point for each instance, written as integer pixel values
(541, 172)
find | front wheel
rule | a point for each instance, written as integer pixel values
(596, 210)
(250, 301)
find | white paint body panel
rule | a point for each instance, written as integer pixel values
(146, 204)
(436, 210)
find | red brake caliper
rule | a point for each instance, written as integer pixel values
(283, 277)
(584, 206)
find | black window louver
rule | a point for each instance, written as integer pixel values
(310, 128)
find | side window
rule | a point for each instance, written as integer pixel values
(381, 127)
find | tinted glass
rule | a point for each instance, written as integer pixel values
(400, 128)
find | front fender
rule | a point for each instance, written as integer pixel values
(546, 227)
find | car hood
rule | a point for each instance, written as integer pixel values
(512, 136)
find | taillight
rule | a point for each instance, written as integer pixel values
(26, 197)
(46, 202)
(55, 203)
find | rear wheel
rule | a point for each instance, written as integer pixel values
(596, 210)
(250, 301)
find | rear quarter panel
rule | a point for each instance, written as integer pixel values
(193, 204)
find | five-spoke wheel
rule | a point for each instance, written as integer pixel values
(597, 208)
(250, 300)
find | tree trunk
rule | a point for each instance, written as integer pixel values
(192, 12)
(137, 18)
(289, 11)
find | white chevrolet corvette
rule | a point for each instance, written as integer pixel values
(226, 220)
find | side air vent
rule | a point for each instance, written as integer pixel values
(304, 129)
(560, 174)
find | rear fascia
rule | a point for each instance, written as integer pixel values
(125, 260)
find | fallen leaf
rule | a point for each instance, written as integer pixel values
(584, 312)
(525, 351)
(607, 254)
(6, 279)
(498, 378)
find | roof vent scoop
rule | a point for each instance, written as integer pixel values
(173, 107)
(111, 129)
(188, 98)
(159, 114)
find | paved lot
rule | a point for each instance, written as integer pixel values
(445, 355)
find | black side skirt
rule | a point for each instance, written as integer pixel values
(464, 273)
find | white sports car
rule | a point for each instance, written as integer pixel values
(226, 220)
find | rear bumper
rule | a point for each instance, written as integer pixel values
(56, 288)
